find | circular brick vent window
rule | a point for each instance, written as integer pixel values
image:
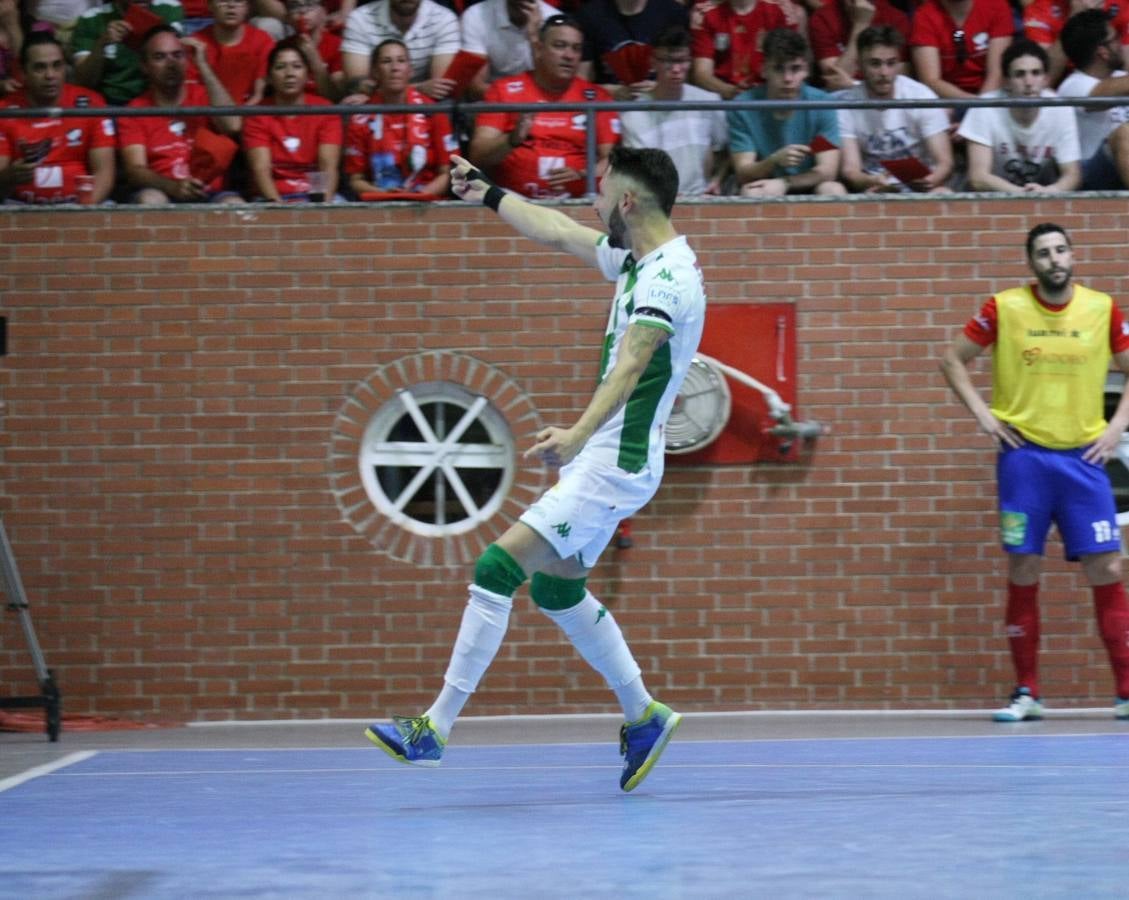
(424, 457)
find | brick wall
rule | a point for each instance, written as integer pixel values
(170, 399)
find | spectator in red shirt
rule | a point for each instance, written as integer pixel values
(157, 151)
(957, 46)
(236, 50)
(398, 151)
(319, 45)
(834, 31)
(40, 159)
(543, 154)
(292, 158)
(726, 43)
(1043, 21)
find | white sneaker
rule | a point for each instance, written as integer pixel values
(1021, 706)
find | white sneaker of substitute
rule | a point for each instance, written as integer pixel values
(1021, 707)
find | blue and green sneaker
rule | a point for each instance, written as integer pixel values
(642, 743)
(410, 740)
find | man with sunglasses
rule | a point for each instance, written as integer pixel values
(957, 45)
(544, 154)
(1092, 44)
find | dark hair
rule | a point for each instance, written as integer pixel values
(38, 39)
(375, 55)
(163, 28)
(1045, 228)
(557, 21)
(652, 169)
(783, 44)
(1082, 34)
(287, 43)
(879, 36)
(672, 37)
(1024, 47)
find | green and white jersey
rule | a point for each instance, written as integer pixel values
(664, 289)
(122, 78)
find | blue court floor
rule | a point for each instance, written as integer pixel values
(1007, 815)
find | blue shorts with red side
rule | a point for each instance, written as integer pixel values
(1039, 486)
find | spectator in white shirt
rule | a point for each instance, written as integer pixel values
(696, 139)
(872, 136)
(503, 31)
(1090, 41)
(429, 31)
(1028, 149)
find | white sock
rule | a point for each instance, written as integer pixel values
(484, 624)
(596, 636)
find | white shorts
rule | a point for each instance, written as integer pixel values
(579, 514)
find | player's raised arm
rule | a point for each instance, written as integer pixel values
(538, 223)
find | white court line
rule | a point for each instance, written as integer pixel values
(1048, 712)
(450, 770)
(46, 769)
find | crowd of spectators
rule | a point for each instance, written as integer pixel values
(167, 55)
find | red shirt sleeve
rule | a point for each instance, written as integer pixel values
(608, 126)
(329, 130)
(1118, 331)
(256, 132)
(823, 31)
(981, 328)
(356, 146)
(497, 93)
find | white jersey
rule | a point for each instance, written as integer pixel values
(1024, 153)
(893, 133)
(1094, 125)
(663, 289)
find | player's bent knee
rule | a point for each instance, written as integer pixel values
(553, 593)
(1103, 568)
(498, 572)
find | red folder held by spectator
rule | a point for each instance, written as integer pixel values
(462, 70)
(631, 61)
(380, 196)
(820, 143)
(907, 170)
(211, 155)
(139, 19)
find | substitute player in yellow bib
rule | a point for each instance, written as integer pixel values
(1052, 342)
(610, 459)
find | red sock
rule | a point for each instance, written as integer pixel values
(1022, 622)
(1112, 610)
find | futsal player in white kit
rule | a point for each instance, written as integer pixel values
(611, 459)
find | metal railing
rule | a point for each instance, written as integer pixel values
(456, 110)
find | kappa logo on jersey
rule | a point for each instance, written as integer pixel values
(562, 528)
(450, 143)
(74, 137)
(178, 128)
(665, 275)
(108, 127)
(291, 144)
(579, 122)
